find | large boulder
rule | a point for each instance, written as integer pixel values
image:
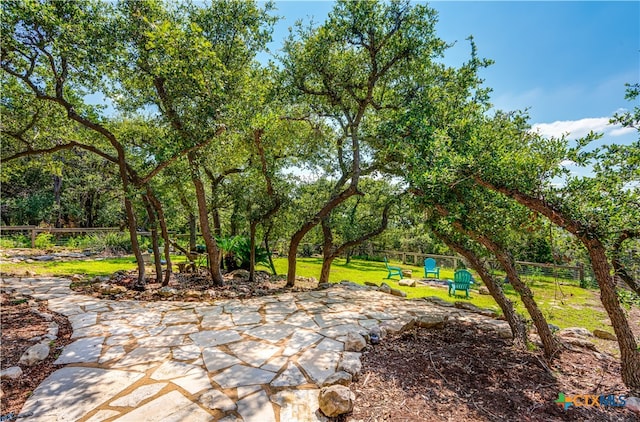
(483, 290)
(385, 288)
(240, 273)
(407, 282)
(193, 294)
(431, 321)
(167, 291)
(34, 354)
(605, 335)
(351, 364)
(112, 289)
(13, 373)
(354, 342)
(340, 378)
(398, 293)
(336, 400)
(398, 325)
(578, 332)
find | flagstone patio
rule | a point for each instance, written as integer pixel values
(262, 359)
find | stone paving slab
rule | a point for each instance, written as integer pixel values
(262, 359)
(171, 407)
(140, 394)
(72, 392)
(256, 408)
(240, 375)
(85, 350)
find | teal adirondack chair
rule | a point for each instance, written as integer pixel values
(462, 280)
(431, 268)
(392, 270)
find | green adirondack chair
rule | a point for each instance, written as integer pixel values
(392, 270)
(462, 280)
(431, 268)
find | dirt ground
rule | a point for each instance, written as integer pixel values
(19, 327)
(459, 373)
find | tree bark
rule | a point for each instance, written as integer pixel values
(306, 227)
(213, 252)
(327, 250)
(326, 269)
(165, 235)
(629, 353)
(155, 246)
(550, 344)
(57, 192)
(193, 229)
(193, 232)
(618, 267)
(140, 283)
(516, 322)
(217, 227)
(268, 249)
(330, 251)
(252, 253)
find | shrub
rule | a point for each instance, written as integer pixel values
(116, 242)
(307, 251)
(44, 241)
(237, 252)
(84, 242)
(16, 241)
(628, 298)
(7, 243)
(243, 253)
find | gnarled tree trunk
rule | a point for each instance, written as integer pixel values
(213, 252)
(155, 246)
(550, 344)
(516, 322)
(306, 227)
(629, 353)
(331, 251)
(165, 235)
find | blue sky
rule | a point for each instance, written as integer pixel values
(567, 62)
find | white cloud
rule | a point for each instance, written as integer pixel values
(621, 131)
(579, 128)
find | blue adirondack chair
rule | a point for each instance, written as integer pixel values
(431, 268)
(462, 280)
(392, 270)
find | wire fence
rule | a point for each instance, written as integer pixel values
(579, 273)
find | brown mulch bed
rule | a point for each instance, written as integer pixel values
(195, 286)
(19, 328)
(460, 373)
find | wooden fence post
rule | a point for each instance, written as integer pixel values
(33, 238)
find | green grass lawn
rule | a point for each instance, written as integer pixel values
(89, 268)
(565, 305)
